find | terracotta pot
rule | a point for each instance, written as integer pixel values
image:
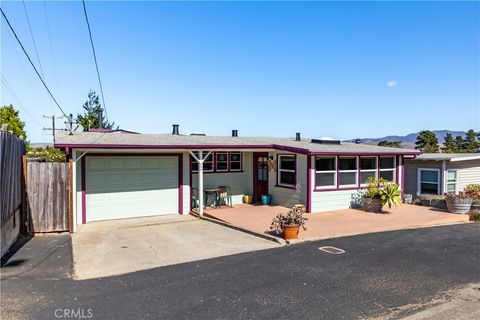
(247, 199)
(372, 205)
(290, 232)
(460, 206)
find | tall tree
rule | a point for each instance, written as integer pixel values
(449, 145)
(471, 143)
(392, 144)
(459, 144)
(89, 118)
(10, 116)
(427, 142)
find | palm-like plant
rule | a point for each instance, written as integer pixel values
(390, 194)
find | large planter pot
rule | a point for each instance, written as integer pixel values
(247, 199)
(426, 202)
(372, 205)
(290, 232)
(460, 206)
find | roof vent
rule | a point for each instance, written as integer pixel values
(198, 134)
(326, 140)
(100, 118)
(234, 133)
(175, 129)
(297, 136)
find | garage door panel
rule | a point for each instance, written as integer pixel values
(131, 187)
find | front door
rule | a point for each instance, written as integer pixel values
(260, 175)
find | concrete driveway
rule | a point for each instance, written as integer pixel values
(115, 247)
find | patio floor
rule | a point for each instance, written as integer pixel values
(337, 223)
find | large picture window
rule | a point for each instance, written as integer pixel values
(347, 172)
(325, 172)
(368, 168)
(287, 173)
(428, 181)
(387, 168)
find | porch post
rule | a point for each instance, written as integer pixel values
(200, 182)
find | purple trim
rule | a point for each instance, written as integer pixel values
(309, 184)
(316, 153)
(156, 146)
(255, 156)
(403, 176)
(278, 185)
(290, 149)
(180, 175)
(214, 163)
(190, 182)
(84, 193)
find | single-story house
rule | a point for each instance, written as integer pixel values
(438, 173)
(118, 174)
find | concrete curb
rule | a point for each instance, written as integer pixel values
(253, 233)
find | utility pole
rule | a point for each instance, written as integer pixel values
(53, 124)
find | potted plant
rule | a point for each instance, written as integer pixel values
(380, 192)
(458, 203)
(473, 190)
(289, 223)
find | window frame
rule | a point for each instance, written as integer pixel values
(227, 161)
(214, 169)
(456, 180)
(280, 170)
(419, 182)
(230, 162)
(394, 169)
(360, 170)
(335, 172)
(343, 186)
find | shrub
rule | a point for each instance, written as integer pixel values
(473, 190)
(476, 202)
(294, 217)
(388, 192)
(474, 216)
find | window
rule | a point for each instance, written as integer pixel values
(287, 170)
(452, 181)
(235, 161)
(387, 168)
(347, 171)
(207, 164)
(368, 168)
(221, 163)
(428, 181)
(325, 172)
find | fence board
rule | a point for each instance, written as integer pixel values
(48, 193)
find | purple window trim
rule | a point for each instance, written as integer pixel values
(278, 184)
(360, 186)
(83, 170)
(309, 184)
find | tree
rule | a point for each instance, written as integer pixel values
(427, 142)
(48, 153)
(471, 143)
(391, 144)
(449, 145)
(10, 116)
(459, 144)
(89, 118)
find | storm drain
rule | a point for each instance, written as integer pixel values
(332, 250)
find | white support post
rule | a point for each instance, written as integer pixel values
(200, 159)
(74, 189)
(444, 177)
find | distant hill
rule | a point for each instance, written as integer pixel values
(408, 141)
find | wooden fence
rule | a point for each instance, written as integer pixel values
(11, 151)
(48, 196)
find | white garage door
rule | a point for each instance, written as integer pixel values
(126, 187)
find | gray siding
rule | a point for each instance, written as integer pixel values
(285, 196)
(411, 173)
(241, 183)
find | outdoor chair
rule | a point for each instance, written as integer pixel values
(195, 199)
(224, 196)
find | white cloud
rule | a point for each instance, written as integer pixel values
(392, 83)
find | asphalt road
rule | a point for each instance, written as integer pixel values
(377, 274)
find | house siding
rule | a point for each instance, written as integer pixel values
(240, 183)
(335, 200)
(468, 172)
(289, 197)
(411, 173)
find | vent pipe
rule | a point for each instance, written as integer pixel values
(175, 129)
(297, 136)
(234, 133)
(100, 118)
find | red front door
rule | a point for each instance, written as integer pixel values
(260, 175)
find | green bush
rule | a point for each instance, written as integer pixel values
(474, 216)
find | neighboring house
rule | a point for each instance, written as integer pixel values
(119, 175)
(437, 173)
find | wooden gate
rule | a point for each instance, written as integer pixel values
(48, 196)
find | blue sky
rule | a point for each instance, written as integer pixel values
(340, 69)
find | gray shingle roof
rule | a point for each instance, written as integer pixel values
(448, 156)
(125, 140)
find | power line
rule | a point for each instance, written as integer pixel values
(31, 62)
(95, 58)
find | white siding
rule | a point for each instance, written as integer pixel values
(186, 183)
(241, 183)
(468, 172)
(285, 196)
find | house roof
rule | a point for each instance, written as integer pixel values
(169, 141)
(448, 156)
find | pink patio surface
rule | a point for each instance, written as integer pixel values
(340, 222)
